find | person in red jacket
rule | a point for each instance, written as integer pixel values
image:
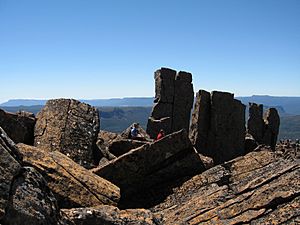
(160, 135)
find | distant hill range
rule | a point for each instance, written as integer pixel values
(285, 105)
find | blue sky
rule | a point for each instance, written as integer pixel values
(103, 49)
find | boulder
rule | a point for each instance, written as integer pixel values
(18, 126)
(108, 215)
(126, 133)
(9, 168)
(218, 126)
(157, 163)
(31, 202)
(72, 185)
(122, 146)
(71, 127)
(258, 188)
(174, 98)
(250, 143)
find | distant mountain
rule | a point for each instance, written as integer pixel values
(121, 102)
(287, 105)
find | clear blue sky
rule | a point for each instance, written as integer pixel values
(102, 49)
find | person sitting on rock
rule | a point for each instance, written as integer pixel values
(135, 134)
(160, 135)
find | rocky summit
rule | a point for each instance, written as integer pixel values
(59, 168)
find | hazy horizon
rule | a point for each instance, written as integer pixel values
(110, 49)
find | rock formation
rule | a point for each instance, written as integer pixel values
(25, 198)
(109, 215)
(18, 126)
(150, 165)
(272, 122)
(258, 188)
(174, 98)
(218, 125)
(264, 128)
(71, 127)
(72, 185)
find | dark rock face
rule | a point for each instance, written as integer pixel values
(18, 126)
(122, 146)
(218, 126)
(174, 98)
(71, 127)
(72, 185)
(152, 164)
(255, 122)
(258, 188)
(263, 128)
(31, 202)
(272, 122)
(9, 168)
(109, 215)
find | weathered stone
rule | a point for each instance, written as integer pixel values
(9, 167)
(255, 125)
(122, 146)
(31, 202)
(174, 98)
(71, 127)
(258, 188)
(152, 164)
(272, 122)
(250, 143)
(201, 120)
(18, 126)
(72, 185)
(218, 126)
(109, 215)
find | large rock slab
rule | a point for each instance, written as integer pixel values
(218, 126)
(258, 188)
(9, 168)
(153, 164)
(71, 127)
(174, 97)
(108, 215)
(72, 185)
(18, 126)
(31, 202)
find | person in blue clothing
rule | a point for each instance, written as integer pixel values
(135, 134)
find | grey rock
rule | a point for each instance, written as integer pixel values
(71, 127)
(18, 126)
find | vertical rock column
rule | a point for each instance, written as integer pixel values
(173, 102)
(256, 122)
(218, 125)
(272, 123)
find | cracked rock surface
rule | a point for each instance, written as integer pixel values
(71, 127)
(259, 188)
(72, 185)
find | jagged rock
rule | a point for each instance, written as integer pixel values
(9, 167)
(288, 149)
(153, 164)
(122, 146)
(255, 125)
(72, 185)
(107, 137)
(174, 98)
(71, 127)
(31, 202)
(258, 188)
(109, 215)
(18, 126)
(272, 122)
(218, 126)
